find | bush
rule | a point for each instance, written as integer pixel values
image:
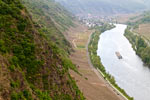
(2, 46)
(14, 96)
(14, 60)
(27, 95)
(15, 84)
(43, 95)
(12, 68)
(21, 26)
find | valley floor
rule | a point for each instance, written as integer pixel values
(91, 83)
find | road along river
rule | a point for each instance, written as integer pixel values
(130, 73)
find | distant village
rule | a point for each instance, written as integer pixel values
(92, 21)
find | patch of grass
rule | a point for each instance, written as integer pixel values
(80, 46)
(86, 78)
(24, 95)
(12, 68)
(43, 95)
(15, 84)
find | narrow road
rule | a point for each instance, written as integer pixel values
(74, 44)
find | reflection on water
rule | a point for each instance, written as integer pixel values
(129, 72)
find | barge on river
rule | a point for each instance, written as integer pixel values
(118, 55)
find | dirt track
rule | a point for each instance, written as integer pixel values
(93, 86)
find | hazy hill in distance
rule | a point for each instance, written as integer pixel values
(105, 7)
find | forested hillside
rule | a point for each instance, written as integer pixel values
(52, 19)
(32, 66)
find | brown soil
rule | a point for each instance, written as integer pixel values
(93, 86)
(143, 30)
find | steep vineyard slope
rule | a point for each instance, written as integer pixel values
(32, 67)
(52, 19)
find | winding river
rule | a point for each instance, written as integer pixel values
(129, 72)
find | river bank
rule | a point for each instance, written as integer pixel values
(93, 46)
(140, 45)
(91, 83)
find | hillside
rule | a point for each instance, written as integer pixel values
(139, 35)
(143, 18)
(32, 66)
(103, 7)
(141, 24)
(52, 19)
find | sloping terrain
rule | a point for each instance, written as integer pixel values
(32, 67)
(141, 24)
(50, 18)
(139, 35)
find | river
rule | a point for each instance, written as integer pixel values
(130, 73)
